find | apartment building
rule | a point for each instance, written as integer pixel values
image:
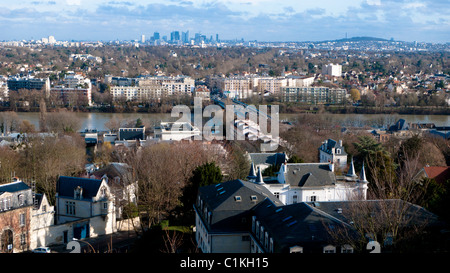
(237, 87)
(16, 83)
(313, 95)
(333, 70)
(74, 88)
(142, 89)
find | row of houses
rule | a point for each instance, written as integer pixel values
(84, 208)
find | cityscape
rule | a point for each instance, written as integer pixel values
(190, 142)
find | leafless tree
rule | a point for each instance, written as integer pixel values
(172, 241)
(390, 215)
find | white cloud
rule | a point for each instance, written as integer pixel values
(73, 2)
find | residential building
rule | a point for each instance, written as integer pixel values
(16, 204)
(306, 182)
(265, 160)
(270, 85)
(332, 151)
(87, 205)
(439, 173)
(16, 83)
(223, 215)
(146, 88)
(120, 179)
(333, 70)
(237, 87)
(74, 88)
(42, 218)
(313, 95)
(243, 217)
(203, 92)
(176, 131)
(4, 92)
(297, 81)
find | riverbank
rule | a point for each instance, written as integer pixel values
(283, 109)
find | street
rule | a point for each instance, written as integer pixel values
(119, 242)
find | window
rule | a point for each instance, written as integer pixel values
(237, 198)
(277, 195)
(23, 239)
(105, 205)
(294, 199)
(22, 219)
(70, 208)
(21, 200)
(329, 249)
(296, 249)
(44, 208)
(313, 198)
(347, 249)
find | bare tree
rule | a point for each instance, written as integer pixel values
(390, 215)
(172, 240)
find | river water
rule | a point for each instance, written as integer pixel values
(98, 120)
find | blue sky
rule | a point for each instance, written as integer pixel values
(262, 20)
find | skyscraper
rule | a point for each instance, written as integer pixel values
(174, 36)
(185, 37)
(156, 36)
(142, 38)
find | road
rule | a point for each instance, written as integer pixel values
(120, 242)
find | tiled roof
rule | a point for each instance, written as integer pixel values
(440, 174)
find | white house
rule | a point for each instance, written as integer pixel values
(311, 182)
(86, 203)
(332, 151)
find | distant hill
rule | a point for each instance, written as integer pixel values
(356, 39)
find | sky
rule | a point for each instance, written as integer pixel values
(262, 20)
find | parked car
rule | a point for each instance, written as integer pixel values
(42, 249)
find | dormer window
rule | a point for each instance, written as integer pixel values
(78, 192)
(21, 200)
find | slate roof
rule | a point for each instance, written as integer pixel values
(227, 212)
(131, 133)
(309, 174)
(333, 144)
(268, 158)
(343, 210)
(296, 224)
(115, 169)
(66, 185)
(400, 125)
(14, 187)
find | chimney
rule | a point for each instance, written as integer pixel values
(331, 165)
(340, 142)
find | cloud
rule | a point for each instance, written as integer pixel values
(73, 2)
(422, 20)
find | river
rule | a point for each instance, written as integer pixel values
(98, 120)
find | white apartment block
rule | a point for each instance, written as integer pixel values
(237, 87)
(334, 70)
(152, 88)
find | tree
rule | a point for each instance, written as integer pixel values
(204, 175)
(355, 94)
(63, 122)
(44, 160)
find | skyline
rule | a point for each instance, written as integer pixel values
(262, 20)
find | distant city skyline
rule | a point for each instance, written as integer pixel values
(262, 20)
